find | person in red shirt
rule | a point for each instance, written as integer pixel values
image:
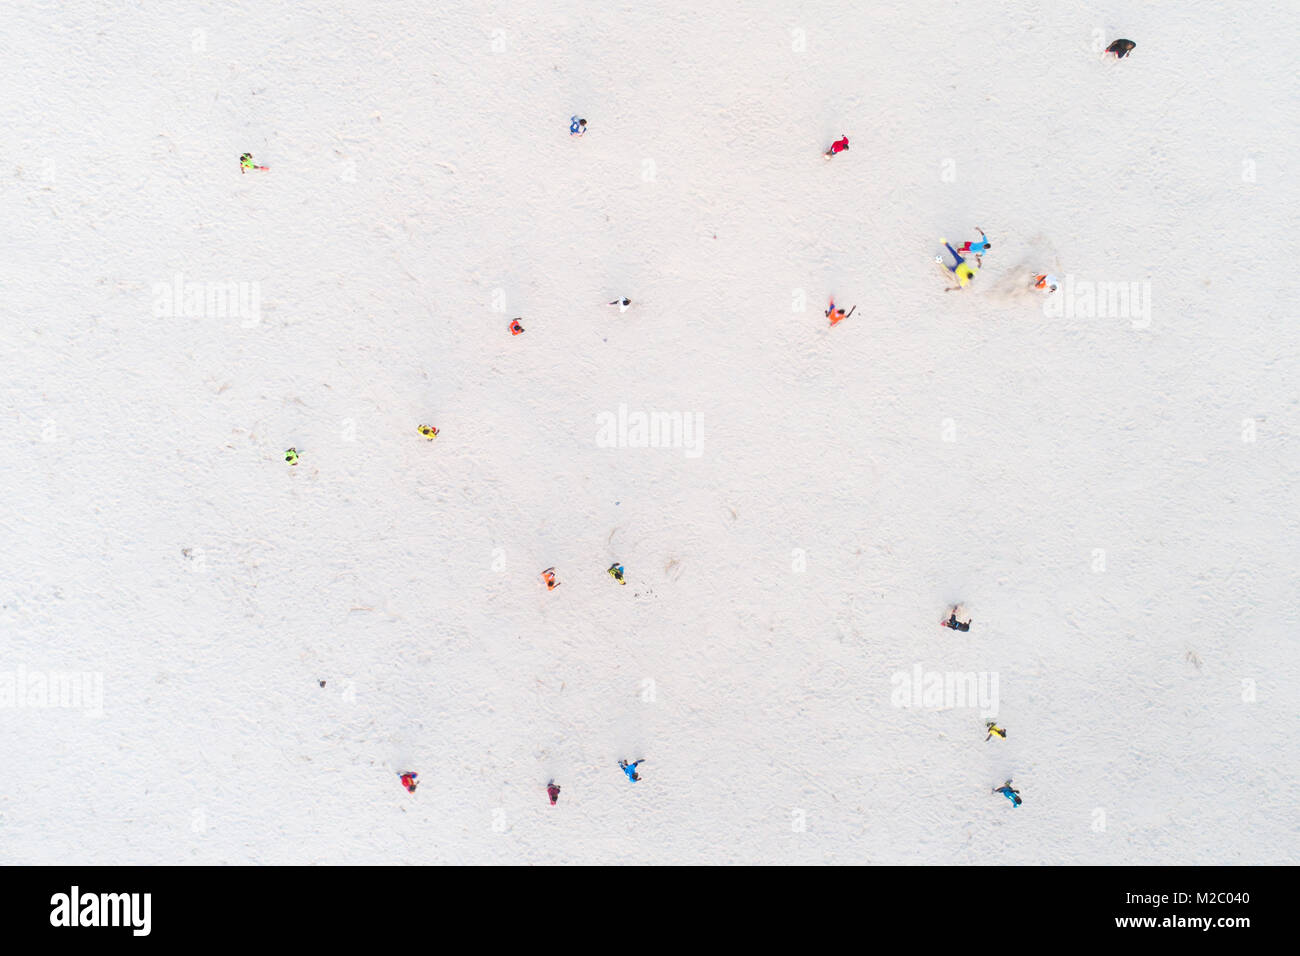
(839, 146)
(408, 780)
(553, 791)
(515, 327)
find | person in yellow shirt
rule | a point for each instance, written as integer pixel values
(993, 728)
(960, 268)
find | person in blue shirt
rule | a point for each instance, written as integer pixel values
(630, 769)
(977, 249)
(1006, 791)
(577, 126)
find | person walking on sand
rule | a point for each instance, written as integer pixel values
(839, 146)
(408, 778)
(553, 791)
(993, 728)
(630, 769)
(623, 304)
(977, 249)
(955, 622)
(1009, 793)
(960, 269)
(837, 315)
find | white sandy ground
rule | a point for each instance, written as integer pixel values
(405, 573)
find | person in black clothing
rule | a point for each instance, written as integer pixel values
(1121, 48)
(955, 624)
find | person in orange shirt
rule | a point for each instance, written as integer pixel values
(837, 315)
(549, 577)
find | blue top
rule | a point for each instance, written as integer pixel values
(574, 128)
(979, 246)
(630, 770)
